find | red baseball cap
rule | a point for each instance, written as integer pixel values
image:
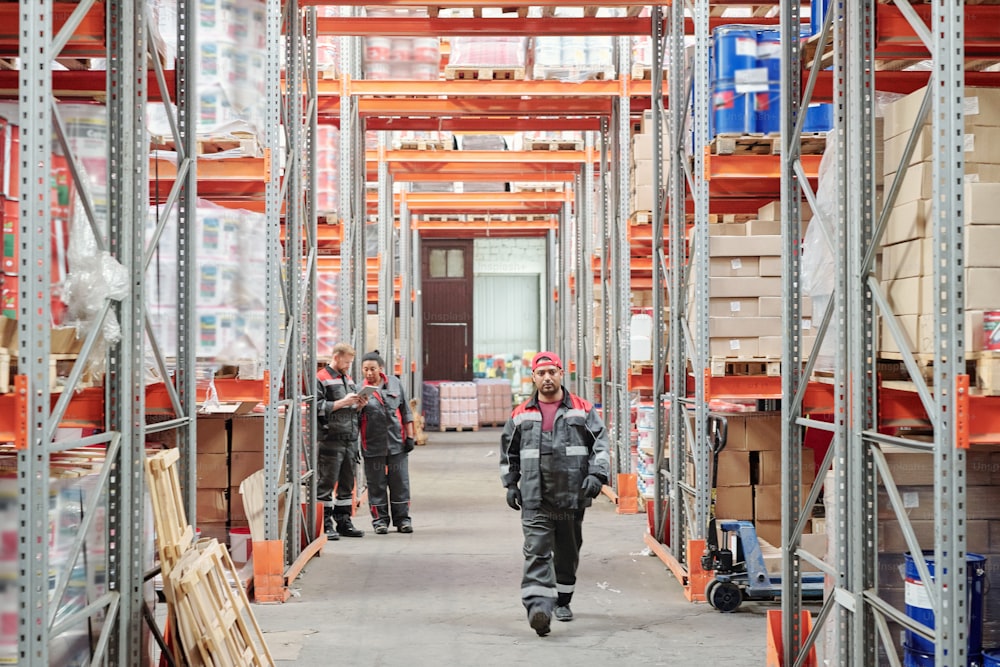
(546, 359)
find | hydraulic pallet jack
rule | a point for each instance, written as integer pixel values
(740, 572)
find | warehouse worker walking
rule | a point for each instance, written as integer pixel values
(554, 460)
(337, 409)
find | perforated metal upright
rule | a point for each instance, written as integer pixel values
(617, 408)
(586, 219)
(40, 588)
(407, 321)
(855, 613)
(353, 213)
(386, 255)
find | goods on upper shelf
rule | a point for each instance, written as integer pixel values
(229, 307)
(908, 254)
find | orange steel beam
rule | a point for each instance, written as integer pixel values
(493, 3)
(484, 229)
(485, 106)
(484, 125)
(87, 41)
(459, 176)
(474, 88)
(500, 27)
(83, 84)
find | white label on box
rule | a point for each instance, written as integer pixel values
(750, 80)
(970, 106)
(734, 306)
(807, 323)
(911, 499)
(734, 343)
(972, 178)
(737, 263)
(970, 142)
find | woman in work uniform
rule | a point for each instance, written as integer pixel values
(386, 441)
(556, 447)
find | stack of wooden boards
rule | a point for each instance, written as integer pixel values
(210, 619)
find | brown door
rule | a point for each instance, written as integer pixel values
(446, 275)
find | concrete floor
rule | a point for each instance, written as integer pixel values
(448, 593)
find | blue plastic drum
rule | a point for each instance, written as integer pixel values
(768, 105)
(817, 14)
(918, 605)
(732, 112)
(734, 49)
(991, 658)
(819, 118)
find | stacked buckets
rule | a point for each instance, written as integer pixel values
(918, 651)
(746, 83)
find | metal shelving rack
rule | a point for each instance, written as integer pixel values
(854, 612)
(123, 434)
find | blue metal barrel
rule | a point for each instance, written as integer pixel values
(919, 609)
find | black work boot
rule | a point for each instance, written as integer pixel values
(328, 527)
(347, 529)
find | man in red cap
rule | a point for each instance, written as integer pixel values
(554, 460)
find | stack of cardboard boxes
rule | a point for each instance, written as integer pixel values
(745, 304)
(749, 473)
(907, 268)
(641, 182)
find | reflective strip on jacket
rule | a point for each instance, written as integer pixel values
(579, 448)
(335, 425)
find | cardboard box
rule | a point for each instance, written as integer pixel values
(212, 471)
(770, 266)
(905, 297)
(769, 468)
(981, 106)
(748, 246)
(982, 200)
(212, 433)
(732, 347)
(918, 182)
(734, 468)
(979, 142)
(747, 267)
(772, 211)
(890, 535)
(248, 432)
(244, 464)
(741, 308)
(744, 327)
(974, 337)
(743, 287)
(917, 468)
(909, 259)
(212, 505)
(773, 306)
(753, 431)
(982, 502)
(907, 221)
(642, 198)
(910, 324)
(763, 227)
(728, 229)
(734, 502)
(982, 242)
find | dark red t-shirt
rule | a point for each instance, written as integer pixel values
(548, 414)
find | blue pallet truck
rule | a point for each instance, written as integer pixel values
(740, 573)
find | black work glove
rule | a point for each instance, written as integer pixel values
(408, 445)
(592, 486)
(514, 497)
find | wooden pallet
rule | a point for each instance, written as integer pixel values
(422, 145)
(484, 73)
(766, 366)
(642, 72)
(243, 145)
(459, 429)
(987, 371)
(760, 144)
(639, 367)
(553, 145)
(536, 187)
(60, 367)
(215, 622)
(521, 10)
(566, 73)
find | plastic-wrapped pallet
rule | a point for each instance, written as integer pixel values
(488, 52)
(495, 400)
(459, 405)
(483, 142)
(431, 404)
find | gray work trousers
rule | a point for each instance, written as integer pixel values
(335, 469)
(388, 487)
(552, 540)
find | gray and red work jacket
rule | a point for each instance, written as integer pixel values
(384, 419)
(579, 448)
